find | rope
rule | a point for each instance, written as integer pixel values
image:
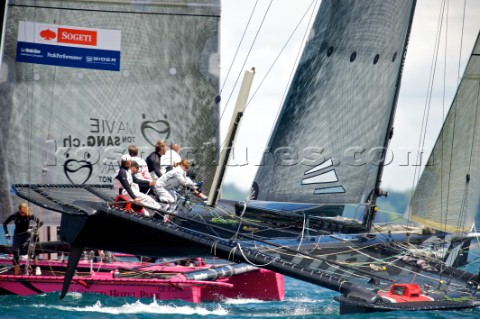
(248, 261)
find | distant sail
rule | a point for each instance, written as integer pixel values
(327, 143)
(82, 80)
(448, 193)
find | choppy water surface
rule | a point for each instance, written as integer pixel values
(302, 300)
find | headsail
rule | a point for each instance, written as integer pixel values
(447, 195)
(328, 143)
(126, 72)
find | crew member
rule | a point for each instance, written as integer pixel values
(154, 159)
(142, 172)
(123, 185)
(22, 234)
(171, 180)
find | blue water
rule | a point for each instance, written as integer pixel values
(302, 300)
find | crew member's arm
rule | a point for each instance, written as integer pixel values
(142, 182)
(187, 182)
(7, 221)
(122, 177)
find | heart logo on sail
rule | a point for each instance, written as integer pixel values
(153, 131)
(48, 34)
(78, 172)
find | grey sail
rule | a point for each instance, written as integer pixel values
(328, 141)
(446, 197)
(82, 80)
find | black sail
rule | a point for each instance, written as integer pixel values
(328, 142)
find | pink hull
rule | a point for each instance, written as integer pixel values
(239, 286)
(262, 285)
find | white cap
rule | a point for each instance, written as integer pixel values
(126, 158)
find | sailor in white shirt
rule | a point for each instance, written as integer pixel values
(170, 159)
(171, 180)
(142, 173)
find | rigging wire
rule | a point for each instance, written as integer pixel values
(277, 57)
(444, 185)
(246, 57)
(237, 50)
(294, 65)
(283, 48)
(444, 212)
(453, 112)
(426, 110)
(464, 207)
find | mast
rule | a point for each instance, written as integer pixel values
(370, 215)
(232, 131)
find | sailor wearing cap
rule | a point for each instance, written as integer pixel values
(123, 179)
(123, 184)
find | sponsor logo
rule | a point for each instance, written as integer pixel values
(152, 130)
(75, 36)
(30, 50)
(70, 36)
(48, 34)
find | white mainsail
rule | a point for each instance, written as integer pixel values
(85, 79)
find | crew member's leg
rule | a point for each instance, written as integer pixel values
(167, 201)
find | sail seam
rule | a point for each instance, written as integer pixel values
(122, 12)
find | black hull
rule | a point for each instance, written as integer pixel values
(353, 305)
(102, 231)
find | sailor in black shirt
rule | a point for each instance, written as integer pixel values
(153, 160)
(22, 232)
